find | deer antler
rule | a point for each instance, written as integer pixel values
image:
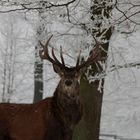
(94, 55)
(44, 54)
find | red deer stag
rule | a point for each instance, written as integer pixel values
(53, 118)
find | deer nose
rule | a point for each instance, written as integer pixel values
(68, 82)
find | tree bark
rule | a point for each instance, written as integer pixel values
(38, 77)
(89, 126)
(38, 65)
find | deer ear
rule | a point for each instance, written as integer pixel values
(58, 70)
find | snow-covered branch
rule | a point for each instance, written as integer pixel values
(28, 6)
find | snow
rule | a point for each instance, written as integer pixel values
(121, 102)
(17, 36)
(120, 111)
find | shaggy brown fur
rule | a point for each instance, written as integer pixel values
(46, 120)
(50, 119)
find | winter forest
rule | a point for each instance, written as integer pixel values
(110, 87)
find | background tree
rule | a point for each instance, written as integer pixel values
(14, 50)
(38, 66)
(92, 93)
(83, 25)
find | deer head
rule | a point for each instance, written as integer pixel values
(69, 82)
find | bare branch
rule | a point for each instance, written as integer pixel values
(32, 6)
(125, 13)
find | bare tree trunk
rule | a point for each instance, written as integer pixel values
(38, 74)
(38, 65)
(9, 66)
(89, 127)
(4, 76)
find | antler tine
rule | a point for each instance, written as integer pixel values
(47, 43)
(61, 55)
(41, 54)
(53, 54)
(78, 59)
(86, 63)
(45, 55)
(93, 56)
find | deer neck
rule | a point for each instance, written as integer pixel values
(69, 111)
